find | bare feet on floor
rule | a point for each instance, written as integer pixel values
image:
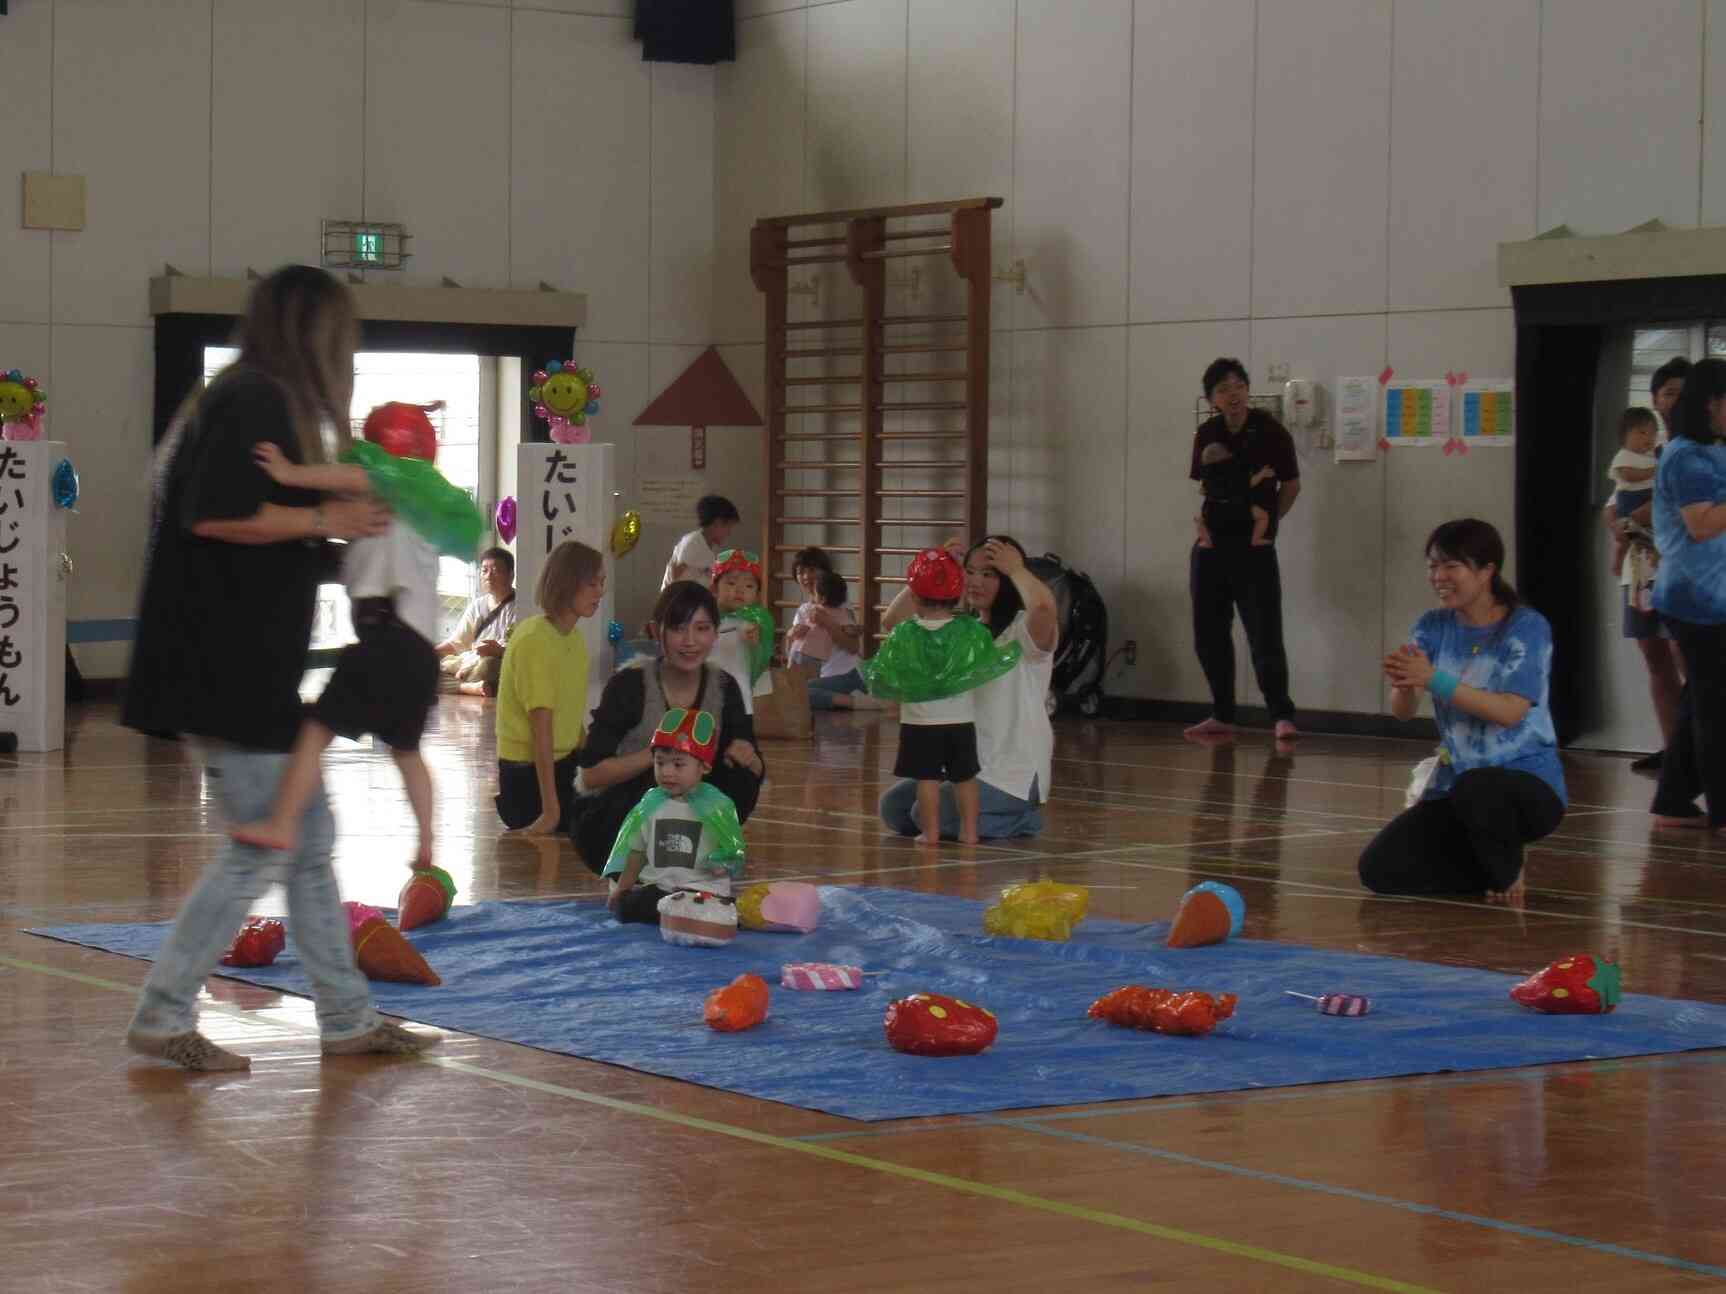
(1212, 729)
(265, 835)
(190, 1051)
(1286, 731)
(1695, 821)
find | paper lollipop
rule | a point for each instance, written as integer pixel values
(1346, 1004)
(625, 533)
(918, 664)
(23, 402)
(440, 513)
(260, 941)
(564, 395)
(505, 519)
(820, 976)
(425, 898)
(741, 1004)
(1161, 1010)
(931, 1024)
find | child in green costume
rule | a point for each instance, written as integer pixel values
(684, 834)
(745, 646)
(930, 664)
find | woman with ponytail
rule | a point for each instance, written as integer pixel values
(1495, 785)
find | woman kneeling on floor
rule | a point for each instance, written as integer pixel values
(1496, 785)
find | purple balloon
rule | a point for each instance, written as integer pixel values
(506, 519)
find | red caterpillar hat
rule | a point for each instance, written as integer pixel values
(736, 559)
(403, 429)
(935, 576)
(691, 731)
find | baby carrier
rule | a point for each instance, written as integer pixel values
(1082, 653)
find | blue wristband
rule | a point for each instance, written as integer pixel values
(1443, 684)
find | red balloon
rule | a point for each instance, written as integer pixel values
(932, 1024)
(1161, 1010)
(403, 430)
(741, 1004)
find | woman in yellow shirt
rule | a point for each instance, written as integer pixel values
(542, 695)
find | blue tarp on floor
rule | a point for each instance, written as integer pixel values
(562, 977)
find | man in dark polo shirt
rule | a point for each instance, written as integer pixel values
(1229, 571)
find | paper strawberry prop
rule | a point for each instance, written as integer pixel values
(1160, 1010)
(740, 1005)
(1576, 985)
(930, 1024)
(258, 943)
(425, 898)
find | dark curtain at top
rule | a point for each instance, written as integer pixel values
(1560, 328)
(181, 338)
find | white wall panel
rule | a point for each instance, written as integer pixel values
(1192, 159)
(276, 172)
(1620, 95)
(757, 158)
(681, 216)
(131, 115)
(1463, 148)
(25, 95)
(1321, 164)
(438, 90)
(579, 189)
(857, 69)
(1072, 162)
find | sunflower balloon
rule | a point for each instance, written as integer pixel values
(566, 396)
(23, 401)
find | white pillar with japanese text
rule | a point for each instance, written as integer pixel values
(565, 492)
(33, 571)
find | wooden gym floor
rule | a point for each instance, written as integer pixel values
(493, 1167)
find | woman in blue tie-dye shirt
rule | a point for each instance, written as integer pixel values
(1486, 661)
(1690, 595)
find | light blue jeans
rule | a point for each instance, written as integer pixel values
(244, 784)
(1001, 817)
(823, 690)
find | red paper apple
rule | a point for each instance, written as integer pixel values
(258, 943)
(1576, 985)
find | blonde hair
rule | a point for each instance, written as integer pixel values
(301, 328)
(568, 568)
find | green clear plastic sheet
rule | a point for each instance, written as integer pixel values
(760, 655)
(417, 492)
(717, 813)
(918, 664)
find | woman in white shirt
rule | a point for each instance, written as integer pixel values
(1015, 742)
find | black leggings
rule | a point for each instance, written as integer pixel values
(1236, 575)
(1696, 756)
(1466, 842)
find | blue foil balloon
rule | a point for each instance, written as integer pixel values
(614, 631)
(592, 408)
(64, 483)
(554, 366)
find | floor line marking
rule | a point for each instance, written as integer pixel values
(946, 1181)
(1364, 1197)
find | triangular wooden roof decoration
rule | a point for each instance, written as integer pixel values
(706, 395)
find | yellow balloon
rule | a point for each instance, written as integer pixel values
(625, 533)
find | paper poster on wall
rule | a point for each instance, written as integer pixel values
(1356, 419)
(669, 499)
(1488, 413)
(1416, 413)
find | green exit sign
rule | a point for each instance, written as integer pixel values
(369, 247)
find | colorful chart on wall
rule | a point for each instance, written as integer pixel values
(1417, 413)
(1488, 413)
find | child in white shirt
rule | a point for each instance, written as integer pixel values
(1632, 471)
(692, 559)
